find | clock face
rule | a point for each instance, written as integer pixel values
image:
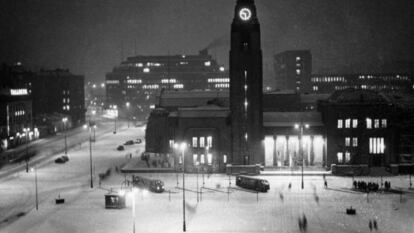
(245, 14)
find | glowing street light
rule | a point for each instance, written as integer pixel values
(64, 120)
(127, 106)
(90, 148)
(183, 146)
(26, 132)
(300, 127)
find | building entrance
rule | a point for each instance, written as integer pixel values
(283, 151)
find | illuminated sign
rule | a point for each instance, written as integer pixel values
(18, 91)
(245, 14)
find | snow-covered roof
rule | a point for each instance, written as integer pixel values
(289, 119)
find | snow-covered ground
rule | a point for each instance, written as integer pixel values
(217, 211)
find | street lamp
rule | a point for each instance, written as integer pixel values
(37, 199)
(183, 146)
(127, 106)
(300, 127)
(90, 149)
(116, 116)
(26, 131)
(134, 190)
(64, 120)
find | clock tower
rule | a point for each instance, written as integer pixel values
(246, 86)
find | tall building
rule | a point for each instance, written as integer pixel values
(134, 85)
(16, 125)
(246, 81)
(59, 92)
(293, 70)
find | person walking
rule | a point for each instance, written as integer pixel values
(326, 184)
(370, 225)
(375, 224)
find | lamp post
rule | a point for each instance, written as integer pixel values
(300, 127)
(26, 131)
(133, 209)
(183, 146)
(64, 120)
(116, 116)
(94, 125)
(90, 150)
(36, 191)
(127, 106)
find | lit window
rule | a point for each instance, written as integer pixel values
(347, 141)
(348, 123)
(354, 142)
(64, 100)
(146, 70)
(209, 141)
(195, 157)
(298, 71)
(224, 158)
(384, 123)
(347, 157)
(339, 155)
(171, 142)
(194, 142)
(202, 142)
(354, 123)
(202, 161)
(376, 145)
(340, 122)
(369, 123)
(297, 58)
(221, 68)
(209, 158)
(376, 123)
(207, 63)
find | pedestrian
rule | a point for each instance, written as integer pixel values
(326, 184)
(290, 185)
(305, 222)
(375, 225)
(300, 224)
(130, 155)
(370, 225)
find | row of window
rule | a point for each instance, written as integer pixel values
(354, 141)
(328, 79)
(397, 77)
(218, 80)
(370, 123)
(222, 85)
(200, 142)
(66, 100)
(201, 159)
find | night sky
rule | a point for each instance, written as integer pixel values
(90, 36)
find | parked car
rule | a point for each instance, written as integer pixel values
(120, 148)
(129, 142)
(138, 140)
(62, 159)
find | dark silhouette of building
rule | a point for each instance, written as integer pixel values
(59, 92)
(293, 70)
(246, 85)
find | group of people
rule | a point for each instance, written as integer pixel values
(370, 186)
(303, 223)
(373, 224)
(366, 186)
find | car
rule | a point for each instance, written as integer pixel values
(138, 140)
(120, 148)
(62, 159)
(130, 142)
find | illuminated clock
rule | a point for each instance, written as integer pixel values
(245, 14)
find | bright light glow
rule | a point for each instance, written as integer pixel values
(183, 145)
(93, 112)
(121, 192)
(207, 63)
(102, 85)
(307, 126)
(296, 126)
(144, 192)
(245, 14)
(127, 104)
(146, 70)
(22, 91)
(64, 120)
(221, 68)
(85, 126)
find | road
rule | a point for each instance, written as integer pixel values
(69, 180)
